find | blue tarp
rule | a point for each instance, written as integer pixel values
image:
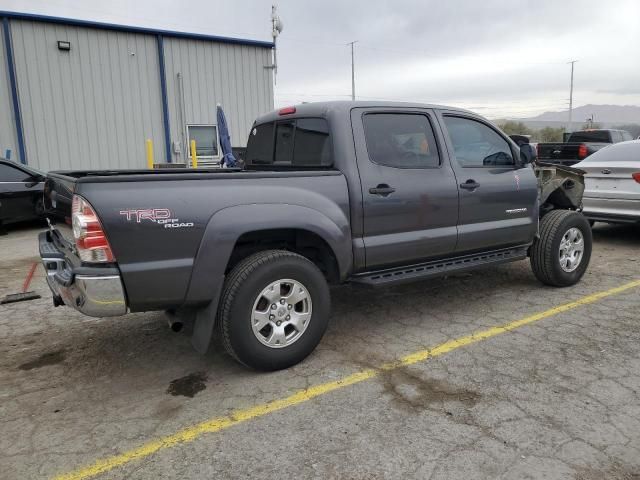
(228, 160)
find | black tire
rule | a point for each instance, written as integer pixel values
(545, 251)
(241, 289)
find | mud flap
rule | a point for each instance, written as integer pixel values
(204, 324)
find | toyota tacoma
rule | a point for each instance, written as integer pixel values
(368, 193)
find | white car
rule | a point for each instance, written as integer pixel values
(612, 183)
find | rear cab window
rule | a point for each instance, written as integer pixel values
(292, 143)
(597, 136)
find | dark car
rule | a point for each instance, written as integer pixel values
(21, 189)
(580, 145)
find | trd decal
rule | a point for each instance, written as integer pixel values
(161, 216)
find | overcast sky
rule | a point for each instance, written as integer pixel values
(498, 57)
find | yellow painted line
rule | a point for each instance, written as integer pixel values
(193, 432)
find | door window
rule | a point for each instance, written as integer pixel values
(400, 140)
(11, 174)
(477, 145)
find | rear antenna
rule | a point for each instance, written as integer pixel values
(276, 29)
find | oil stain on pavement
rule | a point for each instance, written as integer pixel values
(188, 385)
(49, 358)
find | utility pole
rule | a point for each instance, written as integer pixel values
(569, 127)
(353, 72)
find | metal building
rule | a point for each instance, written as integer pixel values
(76, 94)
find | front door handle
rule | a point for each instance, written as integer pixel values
(382, 189)
(470, 184)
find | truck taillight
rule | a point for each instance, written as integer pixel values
(636, 176)
(582, 151)
(91, 241)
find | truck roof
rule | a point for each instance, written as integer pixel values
(322, 109)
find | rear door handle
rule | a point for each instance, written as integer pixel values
(382, 189)
(470, 184)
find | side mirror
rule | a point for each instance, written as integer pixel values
(527, 154)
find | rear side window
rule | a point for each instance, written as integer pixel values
(477, 145)
(626, 136)
(400, 140)
(303, 142)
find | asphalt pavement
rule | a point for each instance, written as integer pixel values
(417, 381)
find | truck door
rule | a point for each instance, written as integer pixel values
(409, 191)
(498, 195)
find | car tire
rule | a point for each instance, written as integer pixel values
(242, 309)
(554, 255)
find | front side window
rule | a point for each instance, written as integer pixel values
(206, 137)
(400, 140)
(477, 145)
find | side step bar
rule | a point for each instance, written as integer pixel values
(393, 276)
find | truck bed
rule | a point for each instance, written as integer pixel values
(155, 261)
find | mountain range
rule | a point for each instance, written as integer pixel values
(600, 113)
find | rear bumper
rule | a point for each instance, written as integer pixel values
(611, 209)
(94, 291)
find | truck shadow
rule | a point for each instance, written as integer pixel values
(141, 344)
(616, 234)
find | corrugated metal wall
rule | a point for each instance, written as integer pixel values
(212, 73)
(91, 107)
(8, 139)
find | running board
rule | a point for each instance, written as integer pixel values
(393, 276)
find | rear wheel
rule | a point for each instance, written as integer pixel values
(274, 310)
(561, 255)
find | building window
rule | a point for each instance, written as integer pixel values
(206, 137)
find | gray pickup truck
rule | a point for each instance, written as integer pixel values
(368, 193)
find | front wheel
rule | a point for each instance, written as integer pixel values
(274, 310)
(561, 255)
